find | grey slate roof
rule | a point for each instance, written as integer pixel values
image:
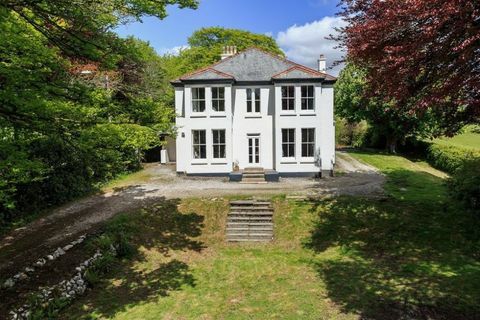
(254, 65)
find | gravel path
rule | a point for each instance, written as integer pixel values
(24, 245)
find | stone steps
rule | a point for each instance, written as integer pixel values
(253, 176)
(250, 221)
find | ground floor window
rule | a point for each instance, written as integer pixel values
(308, 142)
(288, 143)
(219, 145)
(199, 143)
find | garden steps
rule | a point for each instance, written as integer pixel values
(253, 176)
(250, 221)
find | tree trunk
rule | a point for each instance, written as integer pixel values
(392, 144)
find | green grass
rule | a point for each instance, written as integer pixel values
(412, 254)
(466, 139)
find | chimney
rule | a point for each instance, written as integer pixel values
(322, 63)
(228, 51)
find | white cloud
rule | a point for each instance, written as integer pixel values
(304, 44)
(173, 51)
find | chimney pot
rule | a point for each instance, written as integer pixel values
(322, 63)
(228, 51)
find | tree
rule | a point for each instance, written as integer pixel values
(422, 56)
(78, 104)
(387, 123)
(206, 46)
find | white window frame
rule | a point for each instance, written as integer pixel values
(307, 98)
(218, 99)
(199, 145)
(219, 144)
(254, 99)
(290, 99)
(204, 99)
(312, 143)
(289, 143)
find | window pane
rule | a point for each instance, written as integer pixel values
(257, 94)
(257, 106)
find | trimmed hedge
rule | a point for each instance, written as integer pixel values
(450, 158)
(464, 185)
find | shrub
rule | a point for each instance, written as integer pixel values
(464, 184)
(350, 134)
(450, 158)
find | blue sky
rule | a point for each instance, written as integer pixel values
(299, 26)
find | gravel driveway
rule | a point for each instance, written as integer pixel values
(64, 224)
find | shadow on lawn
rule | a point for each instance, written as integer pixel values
(416, 259)
(160, 229)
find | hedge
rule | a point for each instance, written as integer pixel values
(450, 158)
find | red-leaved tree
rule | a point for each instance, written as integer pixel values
(423, 54)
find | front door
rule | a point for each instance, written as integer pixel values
(254, 150)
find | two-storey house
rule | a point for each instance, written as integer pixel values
(255, 109)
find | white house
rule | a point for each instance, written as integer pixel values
(255, 109)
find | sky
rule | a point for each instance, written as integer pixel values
(299, 26)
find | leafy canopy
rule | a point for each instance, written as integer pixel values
(422, 55)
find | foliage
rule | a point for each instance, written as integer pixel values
(450, 157)
(464, 185)
(350, 134)
(206, 45)
(422, 55)
(387, 125)
(78, 105)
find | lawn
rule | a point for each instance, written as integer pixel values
(412, 254)
(466, 139)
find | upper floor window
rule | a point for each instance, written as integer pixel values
(308, 142)
(288, 143)
(198, 99)
(288, 98)
(253, 100)
(307, 97)
(219, 145)
(218, 99)
(199, 144)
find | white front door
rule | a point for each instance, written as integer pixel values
(254, 150)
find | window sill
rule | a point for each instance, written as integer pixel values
(198, 115)
(309, 160)
(307, 113)
(287, 113)
(288, 161)
(197, 162)
(218, 115)
(219, 161)
(253, 115)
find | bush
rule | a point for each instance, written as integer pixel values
(350, 134)
(450, 158)
(464, 185)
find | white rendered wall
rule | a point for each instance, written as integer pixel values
(208, 121)
(247, 124)
(267, 124)
(321, 118)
